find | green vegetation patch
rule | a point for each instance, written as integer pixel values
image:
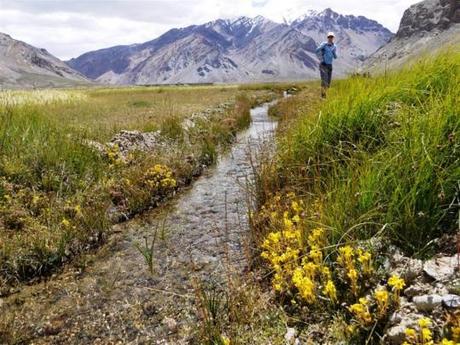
(383, 152)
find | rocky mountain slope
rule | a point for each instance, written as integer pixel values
(24, 66)
(357, 37)
(238, 50)
(425, 28)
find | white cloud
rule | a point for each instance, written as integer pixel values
(68, 28)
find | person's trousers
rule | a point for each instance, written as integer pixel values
(325, 71)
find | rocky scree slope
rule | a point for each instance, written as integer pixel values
(426, 27)
(238, 50)
(25, 66)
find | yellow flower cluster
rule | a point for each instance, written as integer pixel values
(305, 265)
(424, 335)
(159, 177)
(282, 247)
(397, 284)
(380, 301)
(65, 223)
(361, 312)
(114, 155)
(352, 261)
(296, 253)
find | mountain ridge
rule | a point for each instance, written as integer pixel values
(23, 65)
(240, 49)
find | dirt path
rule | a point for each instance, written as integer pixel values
(115, 300)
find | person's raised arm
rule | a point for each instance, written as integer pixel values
(320, 48)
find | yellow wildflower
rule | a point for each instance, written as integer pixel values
(361, 313)
(353, 276)
(35, 199)
(396, 283)
(424, 322)
(305, 285)
(381, 296)
(411, 334)
(326, 272)
(345, 257)
(316, 255)
(365, 258)
(363, 301)
(287, 223)
(65, 222)
(330, 291)
(310, 269)
(296, 219)
(225, 340)
(427, 336)
(316, 237)
(351, 329)
(78, 211)
(295, 206)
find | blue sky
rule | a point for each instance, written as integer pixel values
(68, 28)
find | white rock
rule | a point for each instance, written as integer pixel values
(396, 335)
(451, 301)
(441, 269)
(290, 336)
(427, 303)
(170, 323)
(395, 318)
(417, 289)
(405, 267)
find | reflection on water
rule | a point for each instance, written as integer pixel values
(215, 209)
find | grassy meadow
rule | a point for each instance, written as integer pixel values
(375, 165)
(58, 195)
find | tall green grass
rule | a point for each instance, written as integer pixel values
(36, 152)
(382, 153)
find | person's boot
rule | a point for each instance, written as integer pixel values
(323, 92)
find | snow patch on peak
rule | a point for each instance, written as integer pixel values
(259, 20)
(328, 12)
(312, 14)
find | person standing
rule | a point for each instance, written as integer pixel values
(327, 52)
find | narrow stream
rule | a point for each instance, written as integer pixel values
(115, 299)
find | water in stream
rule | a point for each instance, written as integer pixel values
(115, 299)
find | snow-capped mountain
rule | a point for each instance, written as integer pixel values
(356, 37)
(235, 50)
(22, 65)
(425, 28)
